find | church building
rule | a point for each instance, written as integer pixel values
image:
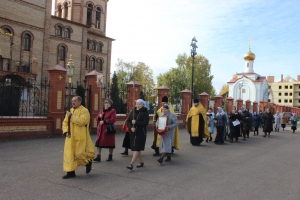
(248, 85)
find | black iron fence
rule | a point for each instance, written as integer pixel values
(80, 90)
(19, 97)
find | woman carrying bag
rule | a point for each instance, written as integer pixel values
(104, 138)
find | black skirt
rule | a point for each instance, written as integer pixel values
(137, 141)
(126, 141)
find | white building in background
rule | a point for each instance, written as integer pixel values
(248, 85)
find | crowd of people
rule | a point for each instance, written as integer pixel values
(200, 124)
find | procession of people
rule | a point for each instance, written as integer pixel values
(200, 124)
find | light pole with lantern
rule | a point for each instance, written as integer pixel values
(70, 73)
(193, 53)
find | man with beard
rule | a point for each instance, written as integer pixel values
(196, 124)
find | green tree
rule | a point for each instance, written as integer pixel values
(224, 89)
(114, 91)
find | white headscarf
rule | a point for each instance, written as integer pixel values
(220, 111)
(141, 101)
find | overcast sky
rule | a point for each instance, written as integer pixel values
(156, 31)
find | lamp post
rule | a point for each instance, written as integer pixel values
(193, 53)
(240, 87)
(70, 73)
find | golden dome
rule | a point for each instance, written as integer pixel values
(249, 55)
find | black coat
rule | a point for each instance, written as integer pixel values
(256, 120)
(138, 138)
(246, 120)
(267, 121)
(235, 130)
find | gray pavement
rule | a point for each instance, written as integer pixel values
(259, 168)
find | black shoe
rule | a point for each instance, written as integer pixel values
(129, 167)
(125, 153)
(88, 167)
(156, 154)
(244, 139)
(168, 159)
(207, 140)
(236, 140)
(231, 141)
(210, 139)
(69, 175)
(98, 158)
(109, 158)
(140, 165)
(160, 160)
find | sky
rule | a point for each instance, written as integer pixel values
(156, 31)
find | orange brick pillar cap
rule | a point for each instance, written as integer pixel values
(57, 68)
(93, 73)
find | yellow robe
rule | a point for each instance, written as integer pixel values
(193, 113)
(78, 149)
(176, 141)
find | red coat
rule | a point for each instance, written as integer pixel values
(104, 140)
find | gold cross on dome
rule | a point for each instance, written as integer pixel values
(249, 42)
(60, 77)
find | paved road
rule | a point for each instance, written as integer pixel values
(260, 168)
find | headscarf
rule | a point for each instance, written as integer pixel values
(245, 109)
(166, 106)
(109, 101)
(141, 101)
(221, 111)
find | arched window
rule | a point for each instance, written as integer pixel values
(59, 11)
(58, 31)
(86, 62)
(93, 46)
(6, 30)
(67, 33)
(243, 90)
(27, 41)
(62, 53)
(92, 63)
(99, 65)
(89, 15)
(99, 47)
(88, 44)
(66, 11)
(98, 14)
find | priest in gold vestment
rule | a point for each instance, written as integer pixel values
(78, 149)
(196, 124)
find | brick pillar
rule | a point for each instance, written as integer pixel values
(261, 106)
(218, 102)
(229, 102)
(255, 107)
(280, 107)
(186, 96)
(204, 99)
(56, 96)
(95, 97)
(162, 91)
(248, 104)
(133, 93)
(272, 109)
(239, 104)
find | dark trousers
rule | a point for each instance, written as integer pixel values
(220, 134)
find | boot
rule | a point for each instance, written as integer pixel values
(69, 175)
(257, 133)
(125, 152)
(98, 158)
(269, 134)
(206, 139)
(168, 159)
(254, 133)
(210, 139)
(109, 158)
(160, 160)
(88, 167)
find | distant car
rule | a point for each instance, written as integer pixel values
(288, 115)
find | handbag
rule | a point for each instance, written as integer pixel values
(110, 129)
(125, 128)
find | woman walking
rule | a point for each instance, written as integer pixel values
(235, 127)
(267, 121)
(210, 123)
(221, 122)
(277, 120)
(107, 116)
(284, 121)
(294, 120)
(256, 122)
(246, 122)
(137, 122)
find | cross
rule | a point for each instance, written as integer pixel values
(249, 42)
(60, 77)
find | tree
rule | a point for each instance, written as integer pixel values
(224, 89)
(114, 91)
(180, 77)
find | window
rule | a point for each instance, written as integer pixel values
(89, 15)
(27, 41)
(247, 64)
(58, 31)
(93, 46)
(291, 100)
(62, 53)
(88, 44)
(92, 63)
(66, 11)
(99, 47)
(6, 30)
(291, 94)
(86, 62)
(279, 86)
(243, 91)
(67, 33)
(99, 65)
(98, 14)
(291, 87)
(286, 87)
(279, 94)
(286, 94)
(285, 101)
(279, 100)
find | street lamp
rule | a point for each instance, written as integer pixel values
(193, 53)
(70, 73)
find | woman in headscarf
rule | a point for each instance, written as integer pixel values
(210, 123)
(246, 122)
(235, 128)
(294, 120)
(221, 122)
(105, 117)
(284, 121)
(137, 122)
(256, 122)
(267, 121)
